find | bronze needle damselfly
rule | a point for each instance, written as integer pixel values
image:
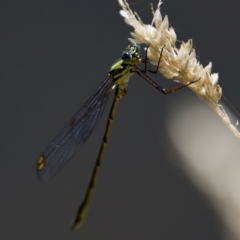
(76, 132)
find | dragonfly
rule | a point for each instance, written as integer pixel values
(78, 129)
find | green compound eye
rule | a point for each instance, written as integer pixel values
(132, 50)
(135, 49)
(127, 57)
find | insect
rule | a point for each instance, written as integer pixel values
(78, 129)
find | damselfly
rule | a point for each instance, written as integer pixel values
(78, 129)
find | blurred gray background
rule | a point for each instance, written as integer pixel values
(54, 54)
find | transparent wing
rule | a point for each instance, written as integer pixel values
(74, 134)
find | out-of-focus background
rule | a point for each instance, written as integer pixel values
(54, 54)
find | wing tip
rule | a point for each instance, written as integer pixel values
(41, 171)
